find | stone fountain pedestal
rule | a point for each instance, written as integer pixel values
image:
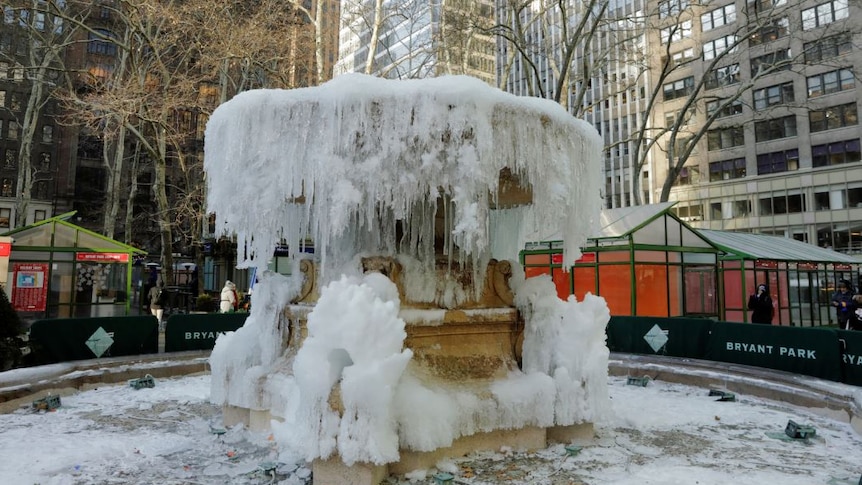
(466, 348)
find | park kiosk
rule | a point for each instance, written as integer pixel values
(801, 277)
(58, 269)
(644, 261)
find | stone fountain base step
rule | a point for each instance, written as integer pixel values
(334, 470)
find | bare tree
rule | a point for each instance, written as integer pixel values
(408, 45)
(175, 63)
(36, 59)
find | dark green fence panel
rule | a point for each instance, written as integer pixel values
(198, 331)
(809, 351)
(851, 357)
(676, 337)
(64, 339)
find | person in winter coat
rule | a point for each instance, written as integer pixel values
(157, 301)
(760, 305)
(844, 305)
(228, 298)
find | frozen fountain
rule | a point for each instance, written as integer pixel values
(405, 334)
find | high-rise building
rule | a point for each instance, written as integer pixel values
(782, 84)
(417, 38)
(597, 48)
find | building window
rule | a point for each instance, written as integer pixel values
(45, 161)
(47, 134)
(830, 199)
(782, 204)
(688, 176)
(5, 217)
(4, 70)
(15, 102)
(715, 211)
(773, 95)
(833, 117)
(827, 48)
(741, 208)
(39, 215)
(671, 116)
(676, 32)
(715, 48)
(825, 14)
(727, 170)
(719, 17)
(720, 138)
(774, 61)
(679, 89)
(830, 82)
(99, 45)
(723, 76)
(692, 212)
(10, 161)
(836, 153)
(7, 188)
(774, 30)
(724, 108)
(777, 162)
(775, 128)
(667, 8)
(670, 119)
(681, 57)
(12, 131)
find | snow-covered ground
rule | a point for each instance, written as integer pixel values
(659, 434)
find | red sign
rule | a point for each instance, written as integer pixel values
(557, 258)
(102, 257)
(29, 286)
(761, 264)
(5, 249)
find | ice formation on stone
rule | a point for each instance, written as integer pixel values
(360, 166)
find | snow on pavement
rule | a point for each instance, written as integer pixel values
(659, 434)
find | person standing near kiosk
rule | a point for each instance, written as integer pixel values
(760, 305)
(844, 305)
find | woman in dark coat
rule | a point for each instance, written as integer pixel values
(844, 305)
(760, 305)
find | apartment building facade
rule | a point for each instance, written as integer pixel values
(783, 156)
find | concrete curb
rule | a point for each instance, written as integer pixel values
(833, 399)
(838, 401)
(70, 377)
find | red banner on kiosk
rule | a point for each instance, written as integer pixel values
(29, 286)
(5, 249)
(102, 257)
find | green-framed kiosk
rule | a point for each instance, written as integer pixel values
(644, 261)
(57, 269)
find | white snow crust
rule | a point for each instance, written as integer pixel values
(359, 163)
